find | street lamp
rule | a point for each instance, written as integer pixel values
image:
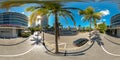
(43, 34)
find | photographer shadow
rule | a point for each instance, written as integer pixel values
(96, 38)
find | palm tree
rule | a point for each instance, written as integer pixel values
(49, 8)
(8, 4)
(14, 3)
(91, 16)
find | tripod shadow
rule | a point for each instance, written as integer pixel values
(96, 38)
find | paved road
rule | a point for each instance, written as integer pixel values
(95, 53)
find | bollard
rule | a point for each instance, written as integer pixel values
(65, 54)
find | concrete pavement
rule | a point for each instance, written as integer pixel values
(94, 53)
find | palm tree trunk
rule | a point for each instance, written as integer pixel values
(90, 28)
(56, 33)
(90, 24)
(95, 25)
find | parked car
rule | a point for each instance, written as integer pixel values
(80, 42)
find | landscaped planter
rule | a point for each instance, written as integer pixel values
(80, 42)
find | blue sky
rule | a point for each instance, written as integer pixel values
(99, 6)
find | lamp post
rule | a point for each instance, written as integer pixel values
(43, 33)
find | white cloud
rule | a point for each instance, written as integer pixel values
(105, 12)
(104, 20)
(99, 23)
(23, 12)
(82, 18)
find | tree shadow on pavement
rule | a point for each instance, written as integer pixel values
(111, 41)
(66, 53)
(79, 52)
(76, 53)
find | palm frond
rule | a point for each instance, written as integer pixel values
(70, 16)
(65, 18)
(33, 18)
(48, 15)
(97, 16)
(52, 5)
(31, 9)
(89, 10)
(62, 10)
(36, 13)
(22, 2)
(82, 12)
(10, 4)
(71, 8)
(87, 17)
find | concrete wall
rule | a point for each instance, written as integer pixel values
(118, 32)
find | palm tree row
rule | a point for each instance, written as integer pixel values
(56, 9)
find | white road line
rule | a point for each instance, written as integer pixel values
(19, 54)
(109, 52)
(35, 46)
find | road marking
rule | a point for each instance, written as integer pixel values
(109, 52)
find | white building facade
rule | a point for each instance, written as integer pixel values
(12, 24)
(42, 21)
(115, 25)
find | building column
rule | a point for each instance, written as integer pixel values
(14, 34)
(118, 32)
(112, 31)
(115, 32)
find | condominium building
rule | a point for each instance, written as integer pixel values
(12, 24)
(42, 21)
(115, 25)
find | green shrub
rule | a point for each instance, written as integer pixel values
(33, 29)
(102, 27)
(101, 31)
(25, 34)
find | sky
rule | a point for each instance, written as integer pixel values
(108, 8)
